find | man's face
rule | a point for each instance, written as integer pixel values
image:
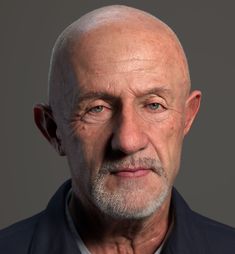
(124, 134)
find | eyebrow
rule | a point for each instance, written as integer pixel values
(79, 98)
(155, 90)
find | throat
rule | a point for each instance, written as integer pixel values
(103, 234)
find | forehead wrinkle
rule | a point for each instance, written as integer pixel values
(81, 96)
(155, 90)
(100, 72)
(161, 91)
(122, 66)
(119, 15)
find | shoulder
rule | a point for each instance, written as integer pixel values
(197, 233)
(41, 229)
(219, 237)
(17, 237)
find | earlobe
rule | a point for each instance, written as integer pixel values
(45, 122)
(192, 107)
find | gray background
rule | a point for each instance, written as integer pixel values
(31, 171)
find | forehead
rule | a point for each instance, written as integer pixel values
(119, 54)
(114, 42)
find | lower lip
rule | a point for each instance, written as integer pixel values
(137, 173)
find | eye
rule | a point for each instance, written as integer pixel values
(155, 106)
(96, 109)
(97, 113)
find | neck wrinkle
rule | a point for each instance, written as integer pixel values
(101, 233)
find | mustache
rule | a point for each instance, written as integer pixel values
(146, 162)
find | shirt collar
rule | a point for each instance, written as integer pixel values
(81, 245)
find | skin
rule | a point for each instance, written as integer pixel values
(120, 103)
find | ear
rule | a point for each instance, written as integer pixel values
(45, 122)
(192, 107)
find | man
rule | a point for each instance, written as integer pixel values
(119, 108)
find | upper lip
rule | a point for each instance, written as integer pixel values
(129, 169)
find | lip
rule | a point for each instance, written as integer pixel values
(132, 172)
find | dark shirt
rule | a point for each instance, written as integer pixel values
(48, 232)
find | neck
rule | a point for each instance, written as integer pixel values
(103, 234)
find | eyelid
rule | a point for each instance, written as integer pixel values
(85, 105)
(155, 99)
(97, 103)
(90, 115)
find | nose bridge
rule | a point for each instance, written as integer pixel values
(129, 134)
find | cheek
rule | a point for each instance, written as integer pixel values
(174, 141)
(173, 130)
(90, 142)
(167, 140)
(167, 132)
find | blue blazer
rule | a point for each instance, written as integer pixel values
(48, 232)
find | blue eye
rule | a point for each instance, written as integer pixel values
(96, 109)
(154, 106)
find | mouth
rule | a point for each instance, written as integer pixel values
(131, 172)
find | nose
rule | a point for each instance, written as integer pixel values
(129, 134)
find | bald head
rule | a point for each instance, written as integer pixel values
(119, 94)
(108, 35)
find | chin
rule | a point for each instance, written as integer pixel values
(125, 204)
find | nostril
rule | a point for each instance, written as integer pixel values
(112, 153)
(115, 155)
